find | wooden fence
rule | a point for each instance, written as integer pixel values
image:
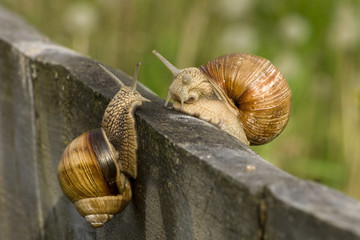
(194, 181)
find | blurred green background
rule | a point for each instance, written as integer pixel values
(315, 44)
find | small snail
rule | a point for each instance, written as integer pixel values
(243, 94)
(94, 168)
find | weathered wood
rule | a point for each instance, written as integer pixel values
(194, 181)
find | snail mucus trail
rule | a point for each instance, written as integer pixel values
(94, 169)
(243, 94)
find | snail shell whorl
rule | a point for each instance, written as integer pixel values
(258, 90)
(99, 210)
(88, 176)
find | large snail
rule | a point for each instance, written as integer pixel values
(243, 94)
(94, 168)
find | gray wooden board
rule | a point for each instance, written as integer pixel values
(194, 181)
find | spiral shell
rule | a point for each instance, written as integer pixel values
(257, 89)
(90, 178)
(242, 94)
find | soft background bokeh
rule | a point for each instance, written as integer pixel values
(314, 43)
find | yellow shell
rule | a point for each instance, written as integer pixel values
(90, 178)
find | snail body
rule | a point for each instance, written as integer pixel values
(243, 94)
(94, 169)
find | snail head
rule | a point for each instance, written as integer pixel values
(189, 84)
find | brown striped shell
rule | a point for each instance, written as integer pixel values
(258, 90)
(243, 94)
(94, 167)
(90, 178)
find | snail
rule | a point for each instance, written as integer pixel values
(243, 94)
(94, 169)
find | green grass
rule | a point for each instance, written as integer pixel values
(316, 44)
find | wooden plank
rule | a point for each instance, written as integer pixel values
(194, 181)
